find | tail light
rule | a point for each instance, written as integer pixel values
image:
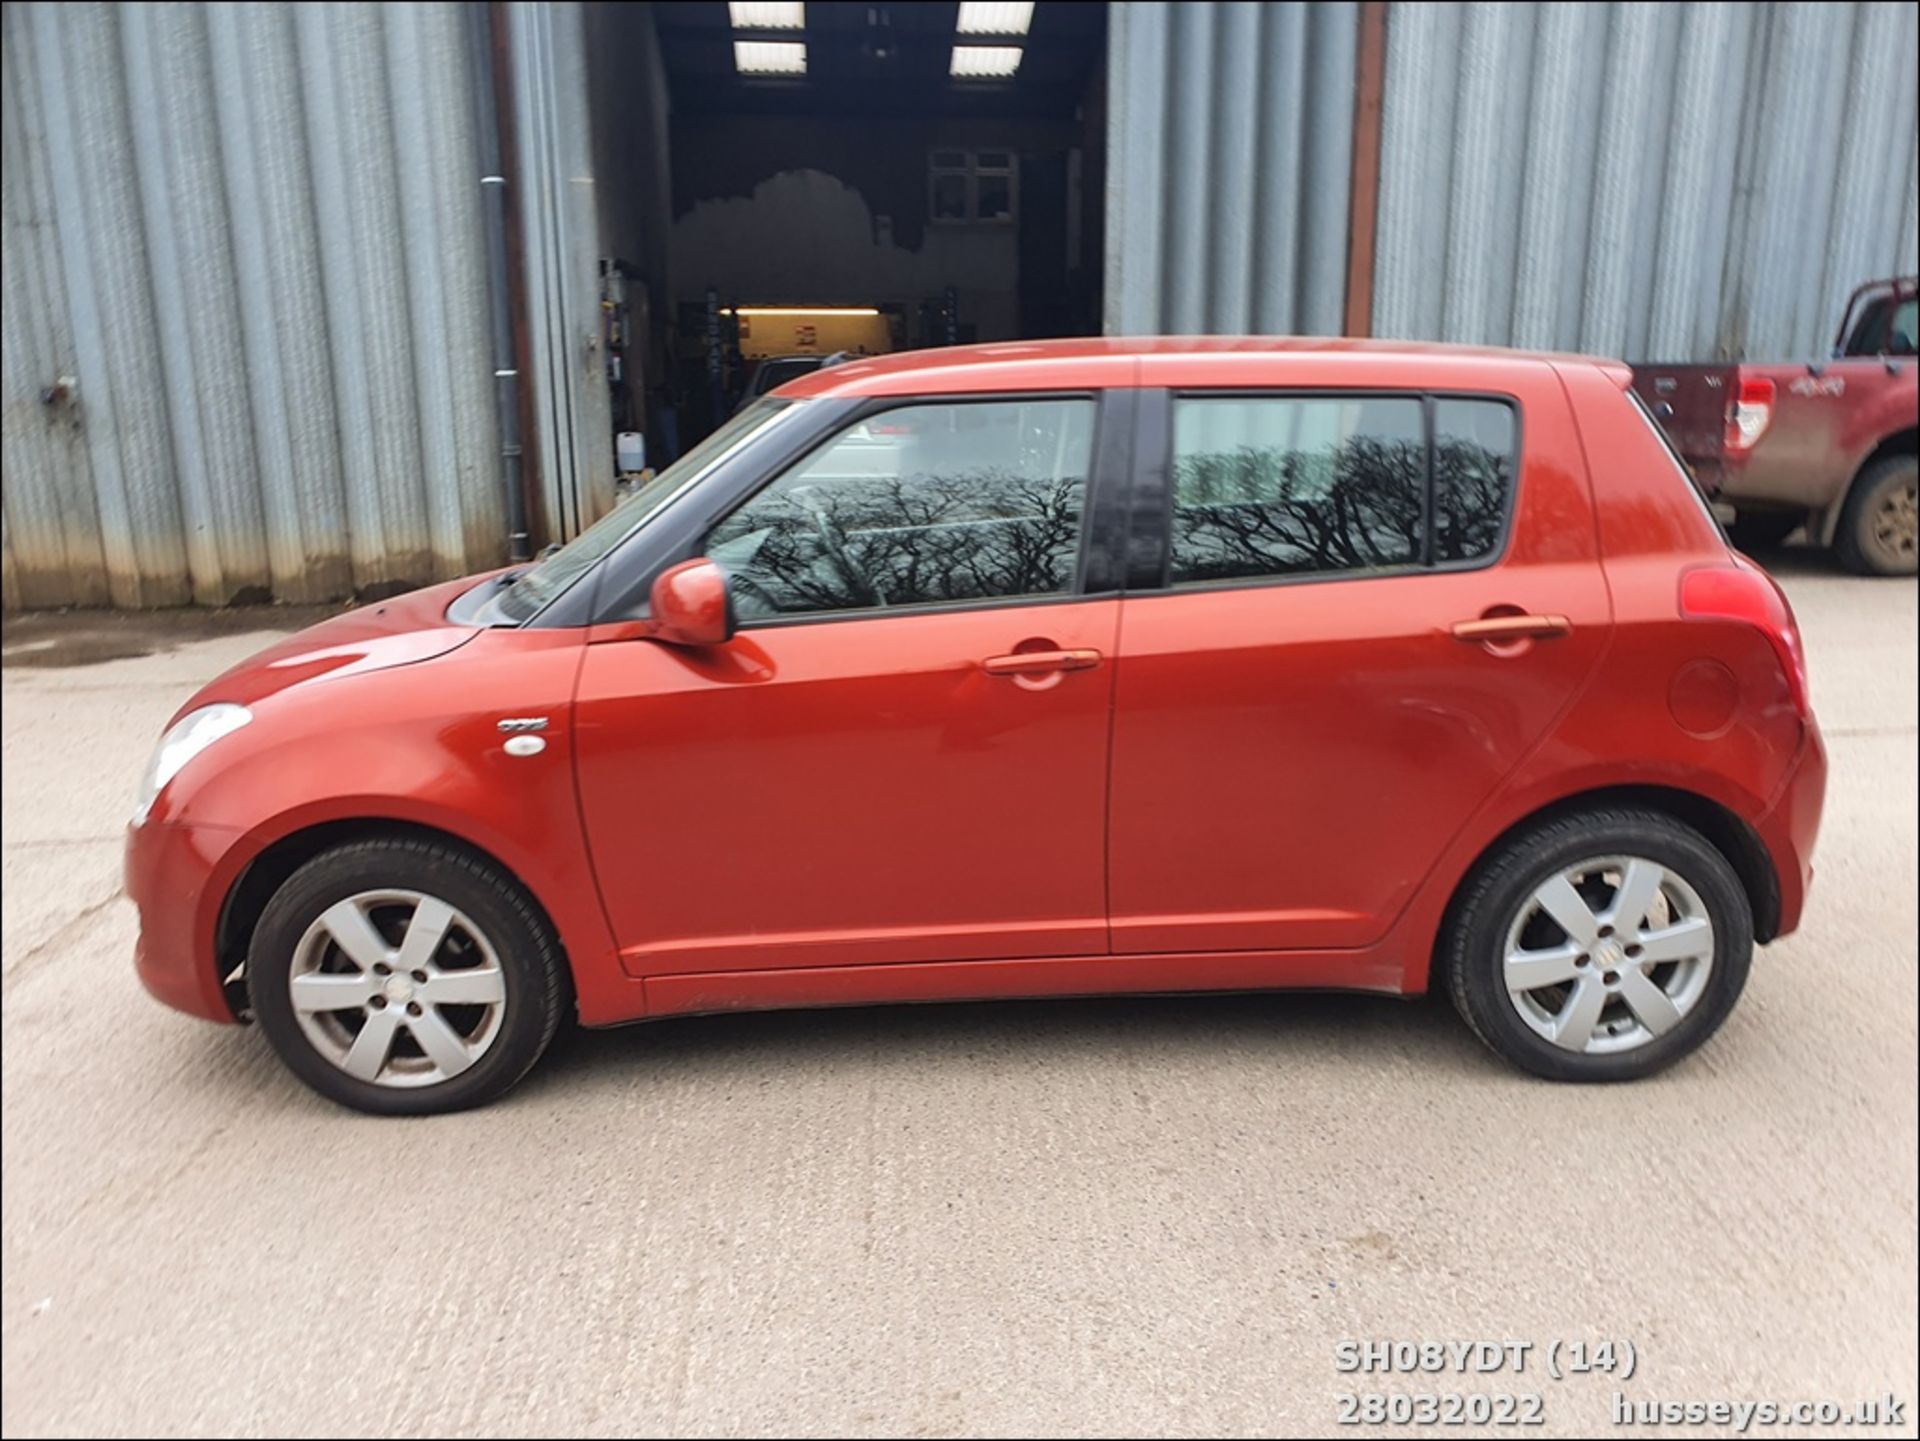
(1744, 592)
(1750, 415)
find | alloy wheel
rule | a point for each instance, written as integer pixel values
(397, 988)
(1896, 523)
(1608, 954)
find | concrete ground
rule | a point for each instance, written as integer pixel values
(1081, 1217)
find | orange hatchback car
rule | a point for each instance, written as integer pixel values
(1027, 670)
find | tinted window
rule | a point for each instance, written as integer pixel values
(775, 373)
(1885, 327)
(1905, 329)
(920, 505)
(1473, 448)
(1276, 486)
(1266, 486)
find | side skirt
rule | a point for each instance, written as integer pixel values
(805, 987)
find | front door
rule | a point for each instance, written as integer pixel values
(902, 754)
(1298, 731)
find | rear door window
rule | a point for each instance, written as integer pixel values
(1268, 487)
(1281, 486)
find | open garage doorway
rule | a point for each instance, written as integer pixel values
(780, 185)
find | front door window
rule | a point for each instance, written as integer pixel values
(937, 504)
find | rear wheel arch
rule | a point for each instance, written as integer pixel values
(1599, 945)
(256, 884)
(1902, 443)
(1720, 827)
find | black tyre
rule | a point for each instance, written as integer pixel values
(1599, 946)
(1879, 530)
(405, 977)
(1763, 529)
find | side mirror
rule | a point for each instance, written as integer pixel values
(692, 604)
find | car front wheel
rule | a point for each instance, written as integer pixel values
(1600, 946)
(404, 977)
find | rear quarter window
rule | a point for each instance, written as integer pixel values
(1475, 446)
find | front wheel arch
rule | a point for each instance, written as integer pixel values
(256, 884)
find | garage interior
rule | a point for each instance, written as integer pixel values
(818, 179)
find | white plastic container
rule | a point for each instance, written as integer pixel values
(630, 451)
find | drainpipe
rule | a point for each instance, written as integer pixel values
(493, 204)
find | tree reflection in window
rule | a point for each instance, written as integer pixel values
(920, 505)
(1273, 486)
(1472, 477)
(1289, 487)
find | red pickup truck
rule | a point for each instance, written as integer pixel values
(1828, 444)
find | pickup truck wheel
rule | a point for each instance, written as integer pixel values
(1763, 529)
(1880, 528)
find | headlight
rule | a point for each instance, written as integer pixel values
(193, 733)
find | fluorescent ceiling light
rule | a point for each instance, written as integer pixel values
(770, 57)
(801, 310)
(769, 15)
(985, 62)
(994, 17)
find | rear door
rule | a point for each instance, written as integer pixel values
(1298, 729)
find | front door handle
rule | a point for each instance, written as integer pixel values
(1038, 662)
(1497, 628)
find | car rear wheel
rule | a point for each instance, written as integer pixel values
(404, 977)
(1600, 946)
(1880, 528)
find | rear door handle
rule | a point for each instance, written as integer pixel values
(1038, 662)
(1510, 627)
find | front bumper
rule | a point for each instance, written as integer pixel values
(178, 876)
(1792, 823)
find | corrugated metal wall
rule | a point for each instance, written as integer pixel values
(553, 135)
(1230, 138)
(250, 234)
(1654, 181)
(245, 348)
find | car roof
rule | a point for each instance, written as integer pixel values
(1100, 362)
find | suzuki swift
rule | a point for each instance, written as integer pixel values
(1026, 670)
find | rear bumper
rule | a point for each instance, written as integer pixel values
(1792, 824)
(1760, 481)
(1734, 481)
(175, 875)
